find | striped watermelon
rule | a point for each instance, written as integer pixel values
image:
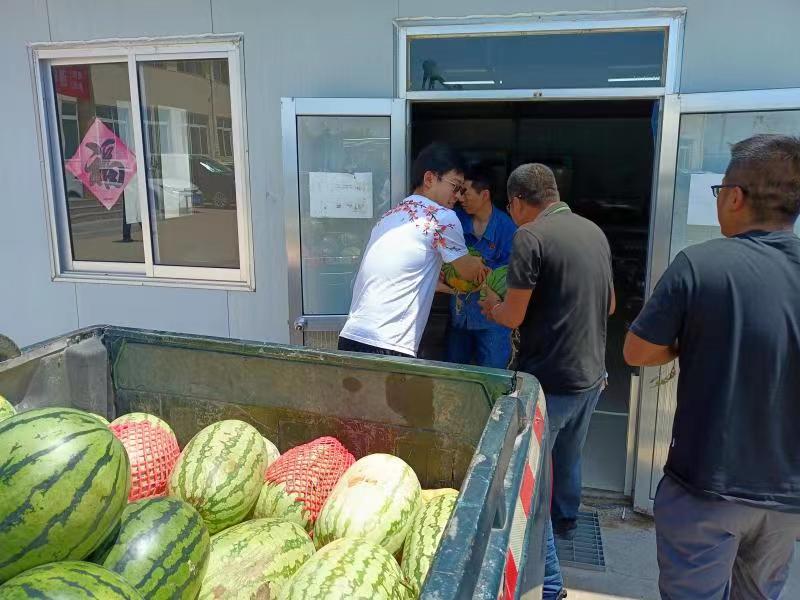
(220, 473)
(70, 580)
(348, 569)
(297, 484)
(64, 481)
(100, 418)
(423, 539)
(272, 452)
(139, 417)
(161, 549)
(496, 281)
(274, 501)
(428, 495)
(7, 409)
(101, 552)
(152, 450)
(375, 499)
(454, 280)
(255, 559)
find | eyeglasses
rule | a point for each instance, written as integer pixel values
(716, 188)
(458, 186)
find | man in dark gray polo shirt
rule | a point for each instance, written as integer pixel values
(728, 508)
(560, 293)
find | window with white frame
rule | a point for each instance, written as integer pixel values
(128, 130)
(224, 137)
(198, 133)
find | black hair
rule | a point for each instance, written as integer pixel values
(767, 168)
(480, 177)
(438, 158)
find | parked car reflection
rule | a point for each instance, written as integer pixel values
(205, 180)
(215, 180)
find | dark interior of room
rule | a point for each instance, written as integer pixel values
(602, 153)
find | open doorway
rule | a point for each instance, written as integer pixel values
(602, 153)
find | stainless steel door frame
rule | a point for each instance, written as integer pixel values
(658, 386)
(291, 109)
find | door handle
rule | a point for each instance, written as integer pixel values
(300, 324)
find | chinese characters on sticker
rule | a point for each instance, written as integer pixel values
(103, 163)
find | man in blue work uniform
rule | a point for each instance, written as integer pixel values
(472, 338)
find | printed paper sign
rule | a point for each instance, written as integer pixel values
(340, 195)
(702, 204)
(103, 164)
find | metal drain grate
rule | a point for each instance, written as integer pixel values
(586, 550)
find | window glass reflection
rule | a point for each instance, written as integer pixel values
(98, 155)
(537, 61)
(344, 166)
(191, 182)
(704, 151)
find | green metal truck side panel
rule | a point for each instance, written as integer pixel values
(457, 426)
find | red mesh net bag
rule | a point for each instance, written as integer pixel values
(152, 449)
(297, 484)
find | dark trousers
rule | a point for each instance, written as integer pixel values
(716, 549)
(569, 416)
(349, 345)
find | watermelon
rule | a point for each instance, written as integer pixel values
(496, 281)
(140, 417)
(454, 280)
(428, 495)
(101, 552)
(348, 569)
(100, 418)
(7, 409)
(375, 499)
(152, 449)
(255, 559)
(70, 580)
(161, 549)
(272, 452)
(64, 481)
(423, 539)
(274, 501)
(220, 473)
(298, 483)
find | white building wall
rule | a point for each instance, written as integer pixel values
(31, 306)
(310, 48)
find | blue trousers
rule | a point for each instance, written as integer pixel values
(489, 347)
(569, 416)
(553, 581)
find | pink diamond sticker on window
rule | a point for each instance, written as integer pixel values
(103, 163)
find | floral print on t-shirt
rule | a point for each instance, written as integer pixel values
(424, 217)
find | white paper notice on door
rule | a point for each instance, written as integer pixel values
(702, 204)
(340, 195)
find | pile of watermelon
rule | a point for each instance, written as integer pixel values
(119, 511)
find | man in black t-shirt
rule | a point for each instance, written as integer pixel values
(728, 508)
(560, 293)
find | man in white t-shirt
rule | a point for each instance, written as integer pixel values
(394, 288)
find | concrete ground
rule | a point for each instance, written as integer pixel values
(631, 568)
